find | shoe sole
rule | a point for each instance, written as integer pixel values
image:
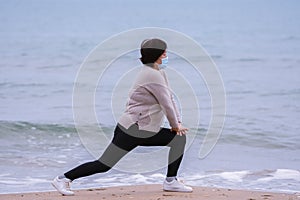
(177, 191)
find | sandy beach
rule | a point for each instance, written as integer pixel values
(153, 192)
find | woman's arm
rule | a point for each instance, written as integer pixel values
(176, 108)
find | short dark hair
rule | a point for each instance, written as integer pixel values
(151, 50)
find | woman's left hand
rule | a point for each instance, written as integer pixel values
(182, 130)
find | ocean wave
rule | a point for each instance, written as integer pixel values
(27, 85)
(290, 38)
(250, 60)
(8, 127)
(230, 135)
(279, 180)
(258, 139)
(286, 92)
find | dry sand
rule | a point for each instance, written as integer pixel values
(153, 192)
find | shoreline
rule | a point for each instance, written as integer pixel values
(154, 192)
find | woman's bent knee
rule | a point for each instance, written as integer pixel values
(178, 141)
(181, 139)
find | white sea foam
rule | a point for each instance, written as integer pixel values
(22, 181)
(282, 174)
(234, 176)
(157, 176)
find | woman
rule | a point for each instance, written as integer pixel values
(149, 100)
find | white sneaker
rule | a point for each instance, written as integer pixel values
(176, 186)
(62, 186)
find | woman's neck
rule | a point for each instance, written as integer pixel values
(155, 66)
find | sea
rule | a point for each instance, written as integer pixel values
(254, 44)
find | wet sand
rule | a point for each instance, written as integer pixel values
(153, 192)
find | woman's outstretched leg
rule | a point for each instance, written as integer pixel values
(119, 147)
(109, 158)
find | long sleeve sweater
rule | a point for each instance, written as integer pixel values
(149, 100)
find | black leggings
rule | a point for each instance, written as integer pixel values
(124, 141)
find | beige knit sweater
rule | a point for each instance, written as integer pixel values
(149, 100)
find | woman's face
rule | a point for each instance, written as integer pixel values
(164, 55)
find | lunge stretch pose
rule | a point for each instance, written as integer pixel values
(150, 99)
